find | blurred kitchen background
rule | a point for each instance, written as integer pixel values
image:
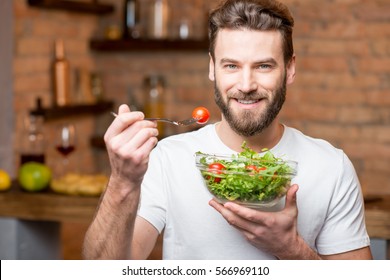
(341, 92)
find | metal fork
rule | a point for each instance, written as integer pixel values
(179, 123)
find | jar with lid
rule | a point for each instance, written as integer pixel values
(154, 102)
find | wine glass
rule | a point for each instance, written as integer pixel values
(65, 144)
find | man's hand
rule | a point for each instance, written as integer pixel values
(129, 141)
(273, 232)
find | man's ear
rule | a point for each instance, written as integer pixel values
(290, 71)
(211, 68)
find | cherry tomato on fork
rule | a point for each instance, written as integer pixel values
(201, 114)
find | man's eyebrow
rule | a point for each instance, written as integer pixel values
(267, 60)
(228, 60)
(260, 61)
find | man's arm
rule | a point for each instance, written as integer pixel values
(113, 233)
(117, 233)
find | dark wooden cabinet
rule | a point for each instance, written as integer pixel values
(54, 113)
(148, 45)
(92, 7)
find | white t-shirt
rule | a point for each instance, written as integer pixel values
(174, 198)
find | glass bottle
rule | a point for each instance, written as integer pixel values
(159, 19)
(96, 86)
(33, 144)
(131, 19)
(61, 78)
(154, 105)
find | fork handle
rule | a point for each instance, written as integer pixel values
(162, 120)
(154, 119)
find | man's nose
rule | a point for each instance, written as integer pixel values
(248, 81)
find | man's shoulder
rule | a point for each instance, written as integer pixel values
(301, 137)
(301, 144)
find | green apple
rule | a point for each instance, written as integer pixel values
(34, 176)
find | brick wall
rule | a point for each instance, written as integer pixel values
(34, 35)
(342, 88)
(341, 92)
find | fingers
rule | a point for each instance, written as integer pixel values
(140, 138)
(124, 119)
(123, 109)
(240, 216)
(235, 214)
(232, 211)
(248, 214)
(216, 205)
(130, 136)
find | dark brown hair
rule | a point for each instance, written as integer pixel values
(253, 15)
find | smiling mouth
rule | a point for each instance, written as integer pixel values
(245, 101)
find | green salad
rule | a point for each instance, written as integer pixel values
(247, 176)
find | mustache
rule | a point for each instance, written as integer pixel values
(251, 95)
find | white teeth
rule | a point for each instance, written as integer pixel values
(247, 101)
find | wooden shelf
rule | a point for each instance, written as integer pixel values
(97, 141)
(148, 45)
(74, 110)
(46, 206)
(74, 6)
(377, 209)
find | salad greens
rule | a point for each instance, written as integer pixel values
(247, 176)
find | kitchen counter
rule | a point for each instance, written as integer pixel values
(30, 224)
(52, 208)
(46, 206)
(49, 206)
(377, 210)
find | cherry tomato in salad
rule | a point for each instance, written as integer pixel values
(201, 114)
(216, 168)
(251, 168)
(254, 168)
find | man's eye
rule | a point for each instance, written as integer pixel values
(230, 66)
(265, 66)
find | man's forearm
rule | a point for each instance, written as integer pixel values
(110, 233)
(299, 251)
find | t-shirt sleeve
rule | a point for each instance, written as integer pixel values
(344, 228)
(153, 199)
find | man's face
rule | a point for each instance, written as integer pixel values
(250, 78)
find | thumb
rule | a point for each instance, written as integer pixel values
(123, 109)
(291, 196)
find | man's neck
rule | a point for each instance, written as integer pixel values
(266, 139)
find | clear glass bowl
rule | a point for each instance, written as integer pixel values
(254, 183)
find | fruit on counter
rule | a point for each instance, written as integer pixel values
(80, 184)
(201, 114)
(34, 176)
(5, 180)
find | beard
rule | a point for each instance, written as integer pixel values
(250, 122)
